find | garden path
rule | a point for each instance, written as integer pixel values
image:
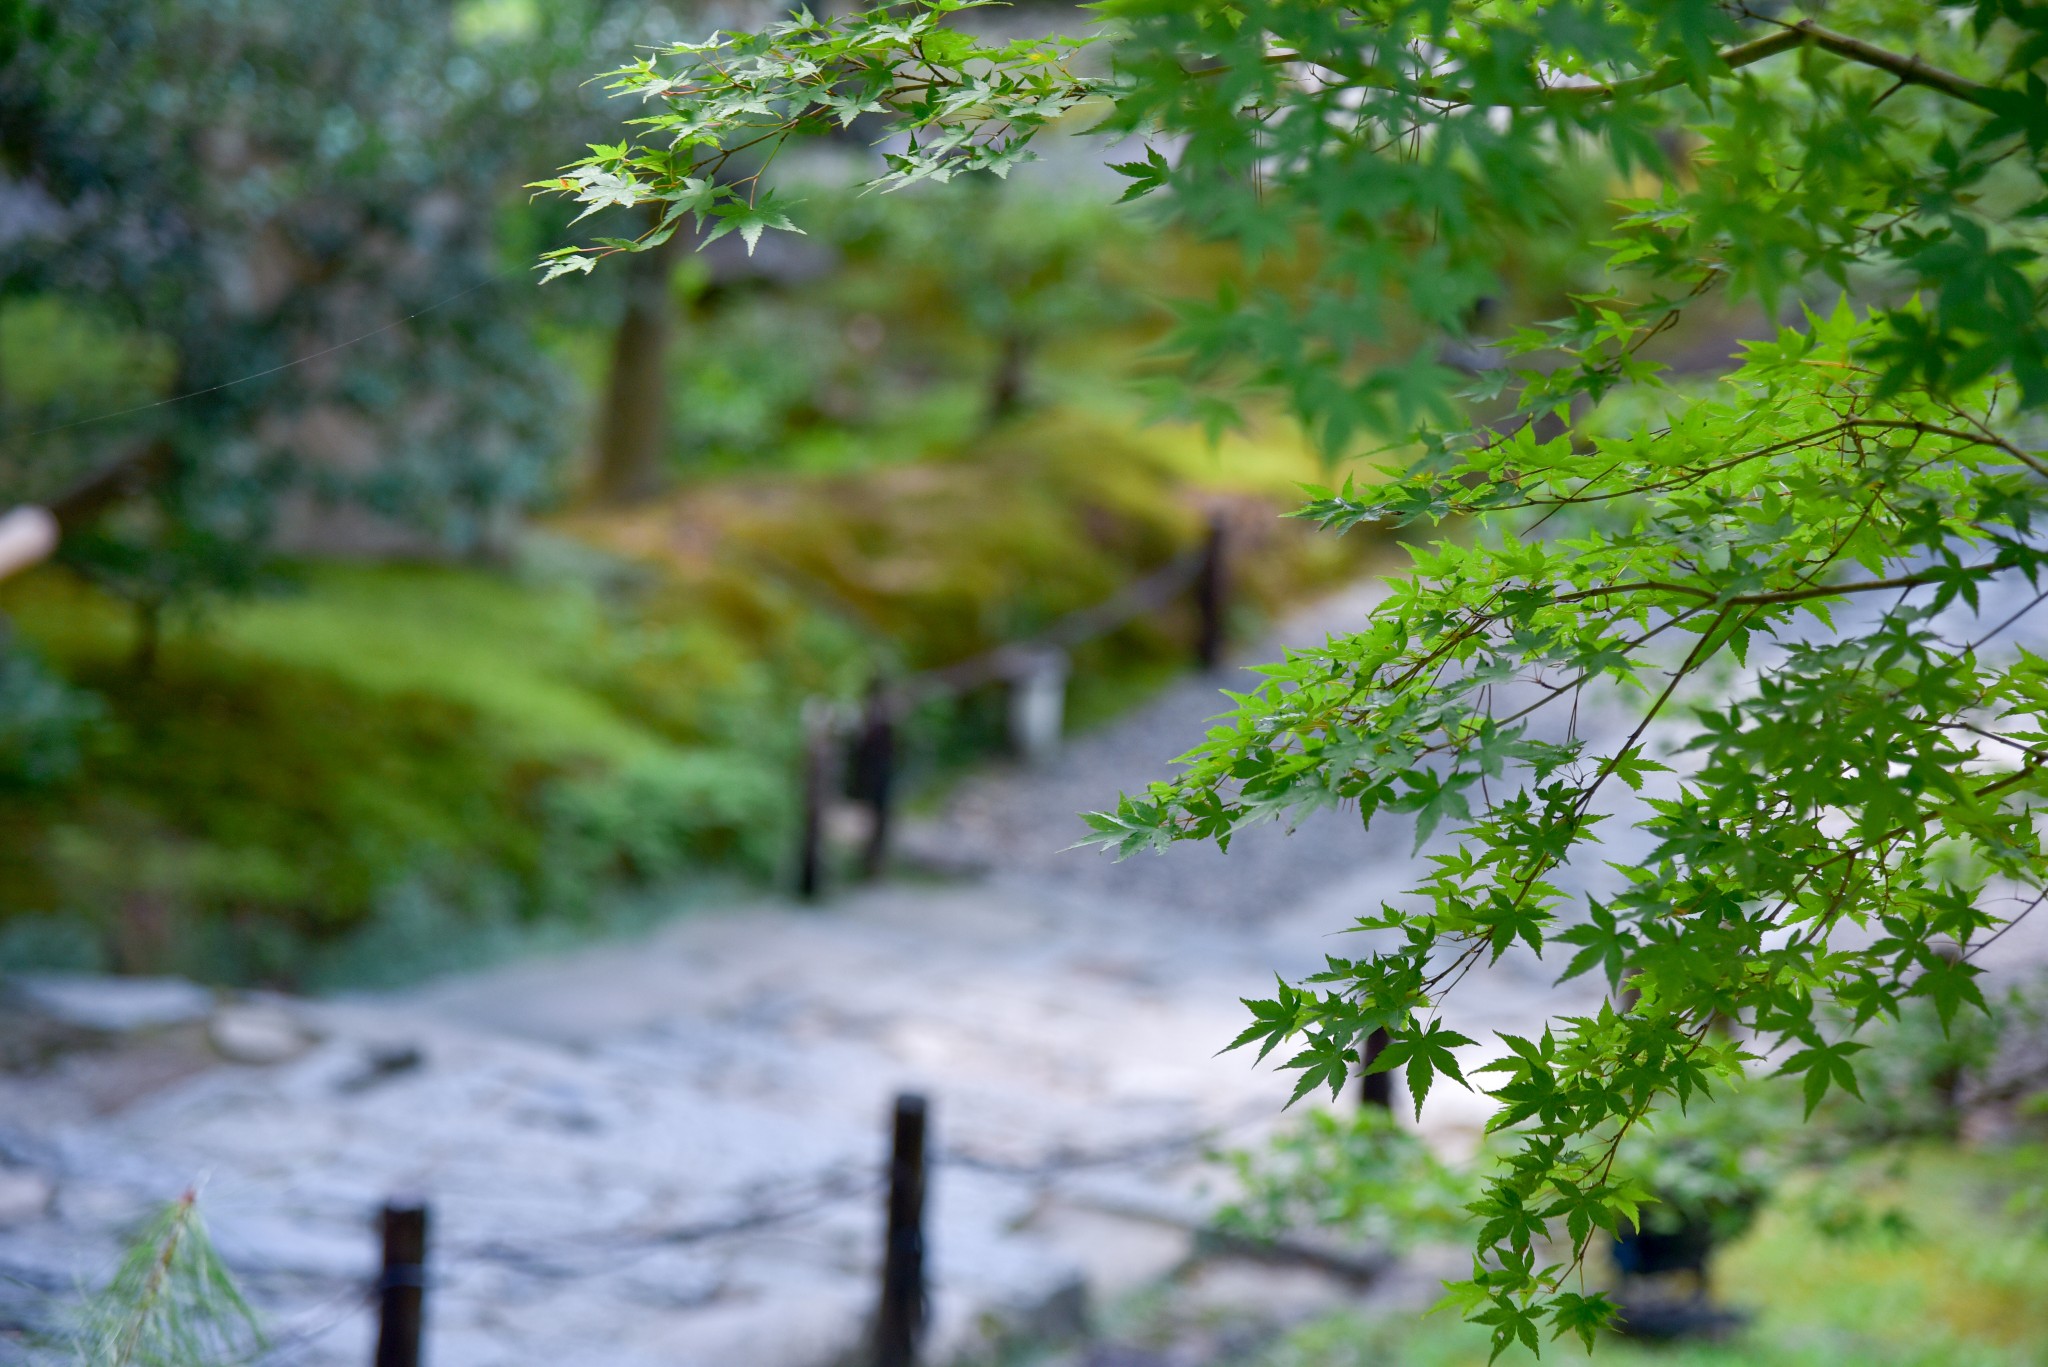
(665, 1151)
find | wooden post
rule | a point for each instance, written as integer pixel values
(900, 1318)
(1379, 1087)
(874, 776)
(820, 773)
(1212, 592)
(402, 1289)
(817, 792)
(1037, 701)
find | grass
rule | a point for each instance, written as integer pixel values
(1964, 1289)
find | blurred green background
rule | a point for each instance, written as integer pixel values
(441, 609)
(443, 614)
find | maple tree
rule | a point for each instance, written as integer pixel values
(1713, 681)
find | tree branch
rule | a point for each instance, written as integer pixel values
(1909, 69)
(1668, 75)
(1904, 581)
(129, 471)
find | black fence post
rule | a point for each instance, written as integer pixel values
(402, 1289)
(1212, 592)
(900, 1319)
(874, 776)
(817, 792)
(1378, 1087)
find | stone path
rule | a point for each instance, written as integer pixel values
(666, 1151)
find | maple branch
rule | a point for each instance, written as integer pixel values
(1672, 73)
(1904, 581)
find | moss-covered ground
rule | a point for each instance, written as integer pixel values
(1965, 1286)
(362, 771)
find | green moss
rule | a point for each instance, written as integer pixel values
(931, 562)
(1963, 1286)
(378, 763)
(255, 800)
(233, 787)
(943, 558)
(514, 654)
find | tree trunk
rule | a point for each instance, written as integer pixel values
(1006, 384)
(149, 635)
(633, 432)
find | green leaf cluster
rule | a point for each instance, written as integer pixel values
(949, 102)
(1755, 641)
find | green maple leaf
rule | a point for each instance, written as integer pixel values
(1606, 944)
(1326, 1062)
(1511, 921)
(1425, 1051)
(1272, 1021)
(1432, 798)
(749, 220)
(1825, 1065)
(1146, 176)
(1510, 1323)
(947, 47)
(1629, 766)
(1586, 1316)
(1949, 984)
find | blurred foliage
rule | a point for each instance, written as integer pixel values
(1715, 1164)
(931, 324)
(43, 720)
(61, 361)
(1360, 1172)
(206, 199)
(1962, 1291)
(336, 781)
(899, 445)
(278, 779)
(1863, 1237)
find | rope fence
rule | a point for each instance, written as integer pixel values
(399, 1295)
(862, 744)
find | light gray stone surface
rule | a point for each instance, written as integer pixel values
(24, 1197)
(111, 1006)
(669, 1151)
(260, 1032)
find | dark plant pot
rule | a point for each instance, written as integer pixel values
(1655, 1309)
(1664, 1321)
(1650, 1253)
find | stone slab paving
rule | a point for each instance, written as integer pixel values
(666, 1151)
